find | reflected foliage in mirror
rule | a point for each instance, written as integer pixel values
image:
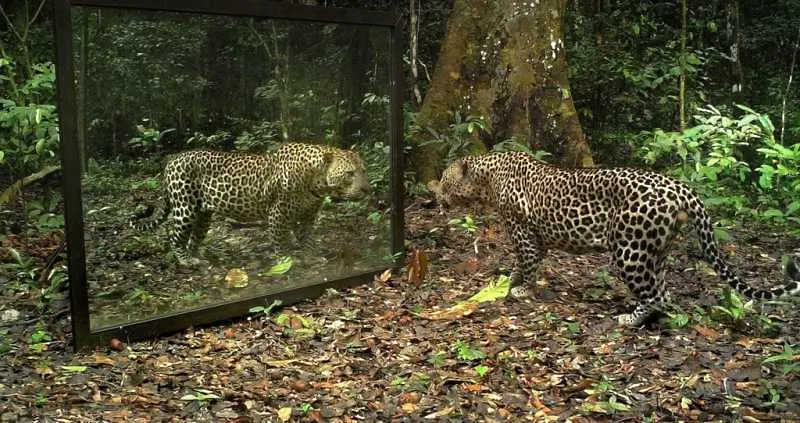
(227, 157)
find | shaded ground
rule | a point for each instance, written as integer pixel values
(367, 355)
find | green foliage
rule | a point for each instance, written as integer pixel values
(436, 359)
(718, 155)
(28, 120)
(44, 212)
(266, 309)
(734, 312)
(678, 320)
(283, 265)
(261, 136)
(603, 398)
(514, 145)
(624, 71)
(482, 370)
(148, 139)
(457, 139)
(39, 339)
(6, 342)
(771, 394)
(731, 305)
(467, 224)
(788, 361)
(465, 352)
(200, 395)
(376, 156)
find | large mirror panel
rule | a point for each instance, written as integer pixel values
(227, 157)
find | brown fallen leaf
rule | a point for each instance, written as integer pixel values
(452, 313)
(389, 315)
(315, 416)
(121, 415)
(537, 403)
(473, 387)
(409, 397)
(417, 267)
(468, 266)
(706, 332)
(491, 231)
(748, 342)
(260, 386)
(300, 385)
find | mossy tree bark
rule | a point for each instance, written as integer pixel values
(504, 60)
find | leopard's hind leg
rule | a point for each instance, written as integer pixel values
(639, 249)
(199, 230)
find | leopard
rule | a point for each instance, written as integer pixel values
(283, 190)
(631, 213)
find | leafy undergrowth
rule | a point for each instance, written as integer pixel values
(392, 350)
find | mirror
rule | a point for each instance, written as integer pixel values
(185, 120)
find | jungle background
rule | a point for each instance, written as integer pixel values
(703, 91)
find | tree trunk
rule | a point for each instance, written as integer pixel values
(734, 35)
(504, 60)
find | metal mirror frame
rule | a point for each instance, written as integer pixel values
(83, 336)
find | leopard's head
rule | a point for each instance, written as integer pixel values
(458, 187)
(346, 176)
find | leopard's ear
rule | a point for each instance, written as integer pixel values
(327, 159)
(461, 169)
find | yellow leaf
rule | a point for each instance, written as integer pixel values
(43, 370)
(409, 407)
(495, 290)
(385, 276)
(103, 359)
(237, 278)
(285, 413)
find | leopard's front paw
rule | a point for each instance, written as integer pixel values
(519, 292)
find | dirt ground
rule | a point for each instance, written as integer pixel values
(371, 354)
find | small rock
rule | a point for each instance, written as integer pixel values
(9, 315)
(300, 386)
(330, 412)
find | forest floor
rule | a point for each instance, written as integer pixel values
(380, 352)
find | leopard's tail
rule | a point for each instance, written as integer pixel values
(712, 254)
(144, 220)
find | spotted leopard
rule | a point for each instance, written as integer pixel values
(632, 213)
(284, 188)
